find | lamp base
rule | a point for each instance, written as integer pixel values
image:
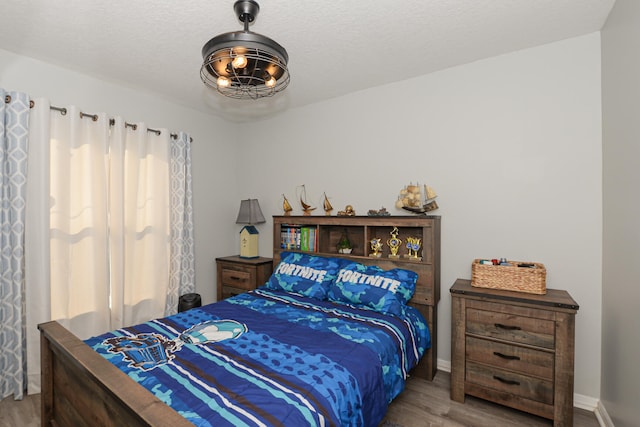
(249, 242)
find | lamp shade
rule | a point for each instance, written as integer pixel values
(250, 212)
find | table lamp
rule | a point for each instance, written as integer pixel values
(249, 214)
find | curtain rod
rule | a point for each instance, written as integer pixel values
(94, 117)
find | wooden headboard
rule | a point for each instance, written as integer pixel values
(324, 232)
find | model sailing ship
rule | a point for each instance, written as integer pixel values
(306, 208)
(286, 206)
(327, 206)
(416, 199)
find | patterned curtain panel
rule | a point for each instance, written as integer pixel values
(182, 264)
(14, 125)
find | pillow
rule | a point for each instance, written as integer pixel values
(386, 291)
(303, 274)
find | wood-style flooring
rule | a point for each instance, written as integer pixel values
(427, 404)
(421, 404)
(20, 413)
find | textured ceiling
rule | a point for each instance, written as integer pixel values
(335, 46)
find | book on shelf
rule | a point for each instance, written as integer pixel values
(290, 237)
(308, 239)
(298, 238)
(304, 239)
(313, 239)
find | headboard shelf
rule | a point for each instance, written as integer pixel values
(319, 235)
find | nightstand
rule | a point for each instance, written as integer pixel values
(514, 348)
(237, 275)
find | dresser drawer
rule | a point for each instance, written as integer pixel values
(511, 327)
(238, 275)
(230, 291)
(523, 360)
(524, 386)
(237, 279)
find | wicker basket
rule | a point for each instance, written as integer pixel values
(510, 278)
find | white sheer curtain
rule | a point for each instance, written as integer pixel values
(37, 290)
(139, 223)
(79, 200)
(99, 220)
(109, 188)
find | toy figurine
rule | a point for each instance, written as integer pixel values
(348, 211)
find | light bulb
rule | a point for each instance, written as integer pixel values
(239, 61)
(270, 82)
(223, 81)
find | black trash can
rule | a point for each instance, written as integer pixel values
(189, 301)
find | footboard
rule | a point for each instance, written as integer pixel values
(81, 388)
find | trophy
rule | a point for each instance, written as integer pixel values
(413, 246)
(376, 247)
(394, 243)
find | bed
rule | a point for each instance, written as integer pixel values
(308, 348)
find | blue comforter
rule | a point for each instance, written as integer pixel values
(272, 358)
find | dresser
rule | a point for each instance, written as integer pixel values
(237, 275)
(514, 348)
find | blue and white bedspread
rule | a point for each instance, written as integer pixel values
(272, 358)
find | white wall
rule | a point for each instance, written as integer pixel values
(213, 148)
(621, 269)
(512, 145)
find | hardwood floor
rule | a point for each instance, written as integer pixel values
(20, 413)
(422, 404)
(426, 404)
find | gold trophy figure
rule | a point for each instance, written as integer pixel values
(376, 247)
(413, 246)
(394, 243)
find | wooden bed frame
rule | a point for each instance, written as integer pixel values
(80, 387)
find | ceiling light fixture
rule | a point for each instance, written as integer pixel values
(244, 64)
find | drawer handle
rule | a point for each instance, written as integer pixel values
(506, 356)
(236, 278)
(509, 382)
(507, 327)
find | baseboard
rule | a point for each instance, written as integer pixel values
(603, 416)
(587, 403)
(444, 365)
